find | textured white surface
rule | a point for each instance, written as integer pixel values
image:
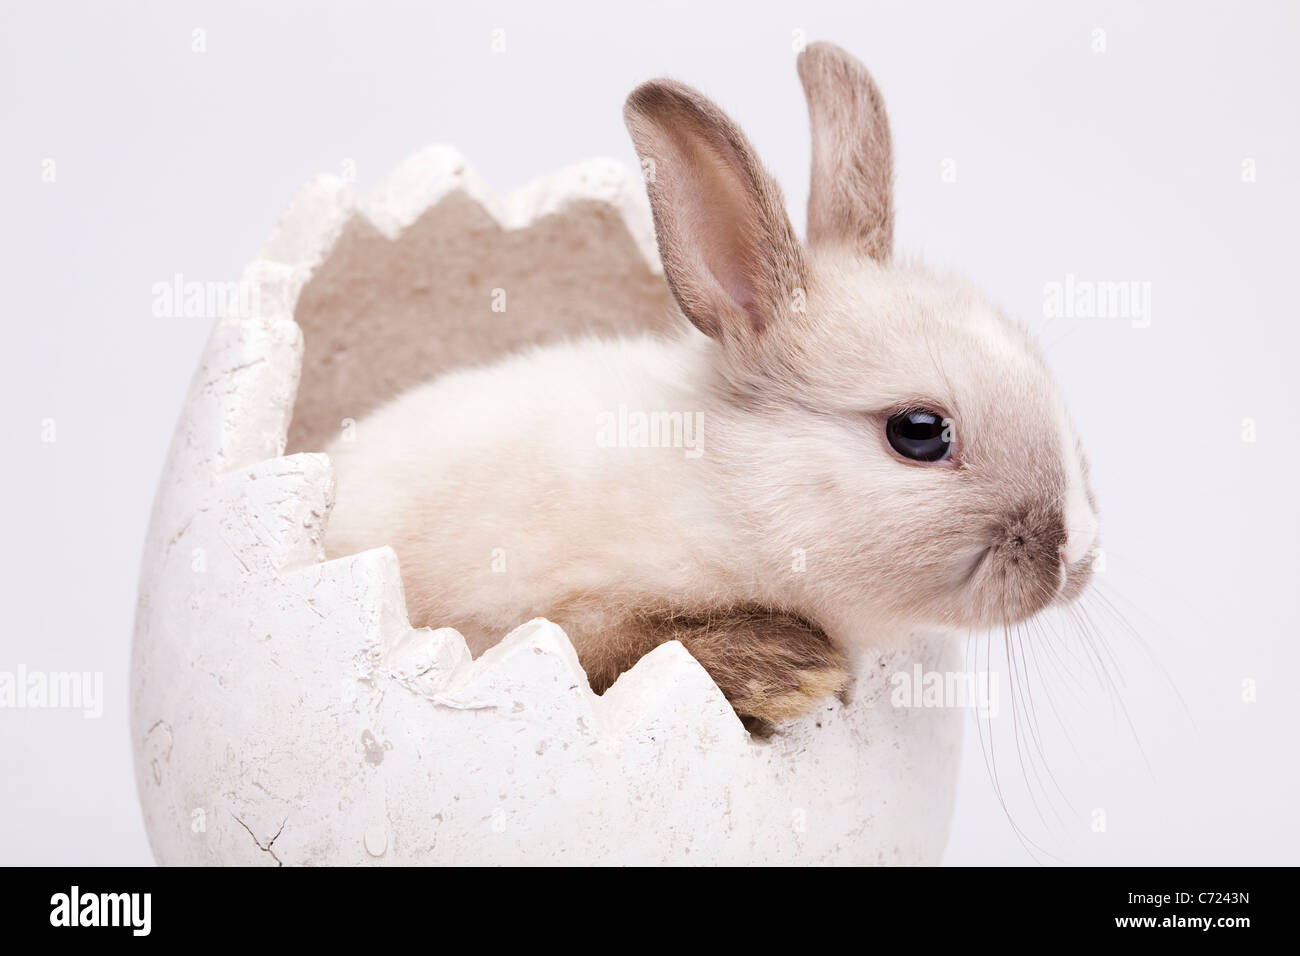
(284, 711)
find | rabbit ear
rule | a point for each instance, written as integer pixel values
(730, 255)
(851, 199)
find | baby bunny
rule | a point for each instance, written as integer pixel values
(856, 449)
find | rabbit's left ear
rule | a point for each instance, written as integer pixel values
(851, 198)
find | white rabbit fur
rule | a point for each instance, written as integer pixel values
(502, 504)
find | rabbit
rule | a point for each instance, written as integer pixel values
(866, 448)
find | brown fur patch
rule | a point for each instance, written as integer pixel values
(771, 665)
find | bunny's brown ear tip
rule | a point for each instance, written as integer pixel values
(653, 96)
(669, 105)
(637, 101)
(646, 101)
(820, 52)
(825, 57)
(645, 93)
(820, 48)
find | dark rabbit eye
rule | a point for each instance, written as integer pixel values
(919, 434)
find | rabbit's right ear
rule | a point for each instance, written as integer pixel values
(851, 198)
(730, 255)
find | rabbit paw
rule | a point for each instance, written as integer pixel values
(800, 694)
(772, 667)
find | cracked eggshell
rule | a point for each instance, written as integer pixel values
(284, 711)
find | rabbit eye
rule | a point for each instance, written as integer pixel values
(919, 434)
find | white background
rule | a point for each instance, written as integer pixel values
(1122, 165)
